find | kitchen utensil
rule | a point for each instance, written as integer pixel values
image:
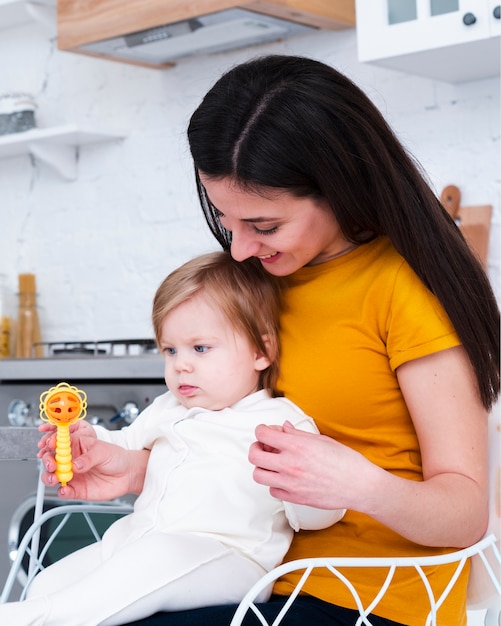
(450, 199)
(473, 221)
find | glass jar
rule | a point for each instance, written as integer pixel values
(28, 339)
(6, 319)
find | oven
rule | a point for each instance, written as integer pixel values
(120, 379)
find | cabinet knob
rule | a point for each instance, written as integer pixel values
(497, 12)
(469, 19)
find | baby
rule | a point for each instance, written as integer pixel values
(202, 530)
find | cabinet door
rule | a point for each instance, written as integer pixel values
(387, 28)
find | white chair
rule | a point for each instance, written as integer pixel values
(485, 549)
(30, 543)
(484, 588)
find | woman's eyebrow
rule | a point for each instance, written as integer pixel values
(258, 220)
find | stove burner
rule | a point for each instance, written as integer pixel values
(90, 349)
(76, 350)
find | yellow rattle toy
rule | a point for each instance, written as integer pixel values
(62, 406)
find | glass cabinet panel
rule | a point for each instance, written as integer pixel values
(439, 7)
(401, 11)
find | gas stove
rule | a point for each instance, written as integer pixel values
(120, 360)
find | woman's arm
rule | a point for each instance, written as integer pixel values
(452, 427)
(101, 470)
(450, 506)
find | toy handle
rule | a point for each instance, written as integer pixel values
(64, 470)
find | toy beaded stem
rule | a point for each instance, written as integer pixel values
(62, 406)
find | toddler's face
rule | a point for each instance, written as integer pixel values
(208, 363)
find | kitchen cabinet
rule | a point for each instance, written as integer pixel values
(17, 12)
(136, 31)
(449, 40)
(55, 146)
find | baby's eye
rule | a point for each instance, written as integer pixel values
(201, 348)
(170, 351)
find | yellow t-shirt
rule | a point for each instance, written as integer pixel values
(348, 325)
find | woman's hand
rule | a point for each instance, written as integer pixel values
(101, 470)
(311, 469)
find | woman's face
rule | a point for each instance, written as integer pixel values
(284, 232)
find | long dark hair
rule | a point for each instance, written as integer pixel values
(296, 124)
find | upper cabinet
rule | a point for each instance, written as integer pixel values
(156, 33)
(450, 40)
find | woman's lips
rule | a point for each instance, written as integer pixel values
(270, 258)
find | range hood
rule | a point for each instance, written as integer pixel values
(157, 33)
(208, 34)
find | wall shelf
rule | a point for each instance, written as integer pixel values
(17, 12)
(55, 146)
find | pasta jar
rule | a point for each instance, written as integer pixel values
(6, 334)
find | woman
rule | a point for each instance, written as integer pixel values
(390, 338)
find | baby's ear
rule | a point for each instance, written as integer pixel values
(262, 361)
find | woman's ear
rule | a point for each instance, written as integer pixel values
(262, 361)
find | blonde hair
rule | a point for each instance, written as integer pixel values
(247, 295)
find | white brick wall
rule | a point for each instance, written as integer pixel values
(100, 245)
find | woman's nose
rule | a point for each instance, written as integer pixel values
(243, 246)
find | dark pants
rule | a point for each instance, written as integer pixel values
(306, 611)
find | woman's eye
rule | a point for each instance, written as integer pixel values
(201, 349)
(266, 231)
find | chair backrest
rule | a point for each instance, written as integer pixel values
(338, 567)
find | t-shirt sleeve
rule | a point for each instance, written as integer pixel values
(417, 324)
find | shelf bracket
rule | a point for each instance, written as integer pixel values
(62, 158)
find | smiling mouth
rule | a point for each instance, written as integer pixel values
(268, 256)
